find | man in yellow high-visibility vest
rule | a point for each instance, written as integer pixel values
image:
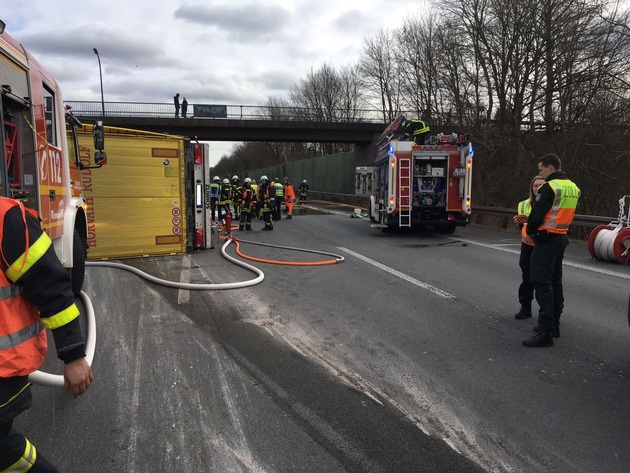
(548, 224)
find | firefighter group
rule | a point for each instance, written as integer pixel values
(248, 200)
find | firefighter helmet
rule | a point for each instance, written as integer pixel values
(248, 180)
(216, 178)
(263, 178)
(304, 181)
(235, 177)
(225, 181)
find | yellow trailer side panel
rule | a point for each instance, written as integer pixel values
(136, 201)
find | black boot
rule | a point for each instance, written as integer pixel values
(542, 339)
(555, 330)
(523, 313)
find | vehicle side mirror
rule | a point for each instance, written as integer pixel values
(100, 158)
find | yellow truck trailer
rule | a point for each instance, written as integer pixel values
(137, 204)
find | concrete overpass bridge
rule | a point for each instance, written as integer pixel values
(236, 123)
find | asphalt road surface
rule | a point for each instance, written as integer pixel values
(405, 357)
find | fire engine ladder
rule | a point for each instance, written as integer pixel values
(404, 192)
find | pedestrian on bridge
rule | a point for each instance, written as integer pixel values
(184, 107)
(548, 224)
(36, 294)
(176, 102)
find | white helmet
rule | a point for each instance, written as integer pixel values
(264, 178)
(225, 181)
(234, 177)
(216, 178)
(248, 180)
(304, 181)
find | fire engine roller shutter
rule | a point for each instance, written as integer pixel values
(15, 76)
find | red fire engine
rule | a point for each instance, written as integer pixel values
(423, 183)
(40, 160)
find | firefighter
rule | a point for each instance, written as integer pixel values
(247, 202)
(215, 193)
(548, 224)
(416, 131)
(37, 294)
(303, 190)
(279, 198)
(266, 198)
(225, 206)
(289, 197)
(236, 196)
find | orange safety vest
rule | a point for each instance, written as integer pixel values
(560, 215)
(525, 208)
(23, 342)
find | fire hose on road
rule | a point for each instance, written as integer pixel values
(57, 380)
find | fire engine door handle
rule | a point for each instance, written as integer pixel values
(51, 194)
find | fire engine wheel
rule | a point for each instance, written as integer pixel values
(79, 255)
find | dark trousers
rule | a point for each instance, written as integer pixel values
(245, 219)
(17, 452)
(526, 289)
(546, 277)
(277, 213)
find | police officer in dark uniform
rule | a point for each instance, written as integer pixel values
(548, 224)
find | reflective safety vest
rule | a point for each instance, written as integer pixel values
(279, 189)
(23, 343)
(215, 190)
(562, 211)
(525, 208)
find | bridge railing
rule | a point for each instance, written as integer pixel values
(240, 112)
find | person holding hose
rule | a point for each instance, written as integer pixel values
(35, 294)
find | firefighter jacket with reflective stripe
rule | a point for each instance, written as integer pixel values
(35, 293)
(264, 196)
(554, 206)
(226, 195)
(525, 208)
(248, 198)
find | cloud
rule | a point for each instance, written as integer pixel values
(245, 23)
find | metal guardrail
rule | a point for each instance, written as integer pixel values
(591, 221)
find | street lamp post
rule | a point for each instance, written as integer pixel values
(100, 73)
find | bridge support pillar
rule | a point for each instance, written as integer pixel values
(364, 154)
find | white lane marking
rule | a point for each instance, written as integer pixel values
(607, 272)
(183, 295)
(406, 277)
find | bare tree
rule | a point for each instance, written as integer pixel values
(381, 78)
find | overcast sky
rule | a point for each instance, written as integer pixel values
(239, 52)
